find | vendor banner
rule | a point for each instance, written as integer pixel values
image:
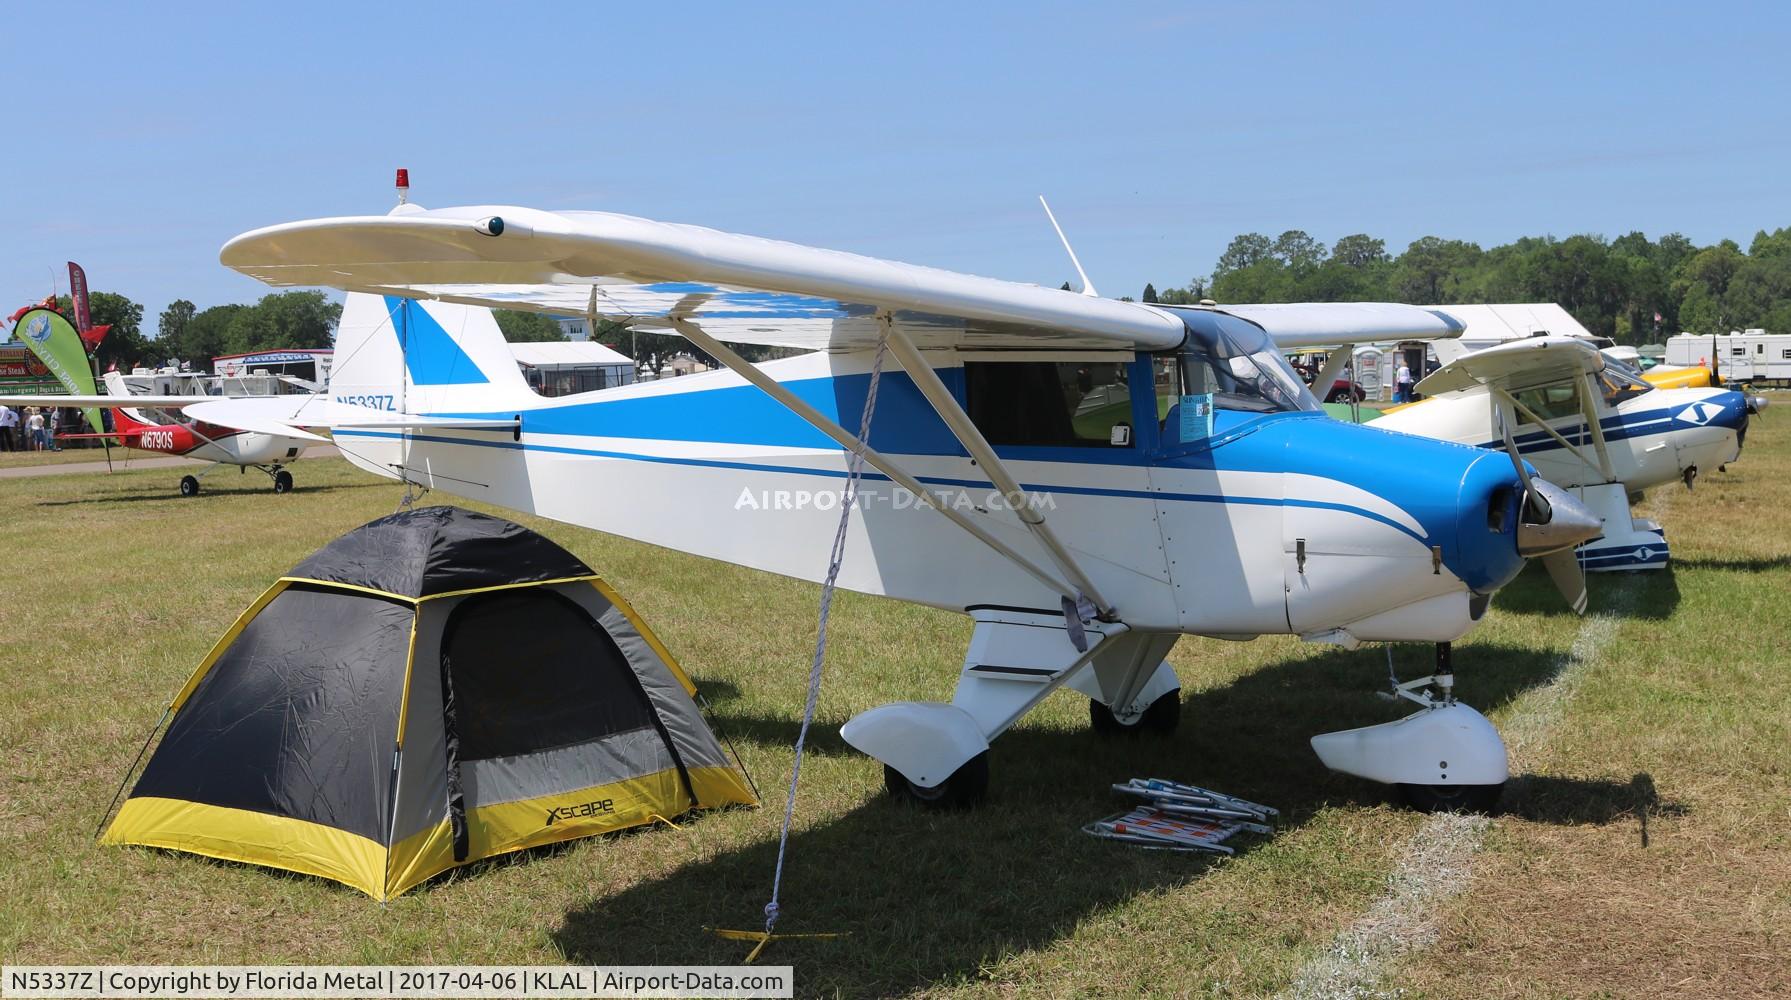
(58, 346)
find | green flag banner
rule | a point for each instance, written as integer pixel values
(55, 342)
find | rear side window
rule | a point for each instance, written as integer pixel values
(1549, 402)
(1059, 403)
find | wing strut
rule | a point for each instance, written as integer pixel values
(1551, 432)
(980, 450)
(1589, 410)
(776, 390)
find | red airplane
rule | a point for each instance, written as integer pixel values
(155, 423)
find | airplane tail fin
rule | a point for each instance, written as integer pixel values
(406, 355)
(124, 418)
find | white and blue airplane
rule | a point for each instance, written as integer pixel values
(1099, 477)
(1587, 423)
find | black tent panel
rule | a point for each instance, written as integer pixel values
(531, 671)
(298, 717)
(439, 550)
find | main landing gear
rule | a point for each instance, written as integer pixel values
(1159, 718)
(1444, 758)
(189, 485)
(936, 754)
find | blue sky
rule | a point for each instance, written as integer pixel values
(144, 136)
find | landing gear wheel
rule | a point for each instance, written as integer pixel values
(1160, 719)
(189, 486)
(1452, 798)
(282, 482)
(967, 786)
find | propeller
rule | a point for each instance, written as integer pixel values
(1532, 499)
(1550, 525)
(1570, 579)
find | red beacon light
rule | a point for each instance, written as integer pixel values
(403, 185)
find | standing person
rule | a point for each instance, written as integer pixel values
(8, 420)
(1403, 382)
(34, 429)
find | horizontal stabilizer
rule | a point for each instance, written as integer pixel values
(289, 414)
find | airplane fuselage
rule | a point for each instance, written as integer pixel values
(206, 442)
(1272, 523)
(1652, 438)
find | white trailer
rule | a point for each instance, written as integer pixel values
(1742, 356)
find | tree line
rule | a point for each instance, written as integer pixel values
(1632, 289)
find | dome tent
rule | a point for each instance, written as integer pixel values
(429, 689)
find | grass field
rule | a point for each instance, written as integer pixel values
(23, 459)
(1644, 850)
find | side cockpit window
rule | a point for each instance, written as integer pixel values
(1050, 403)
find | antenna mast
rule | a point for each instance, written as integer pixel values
(1088, 287)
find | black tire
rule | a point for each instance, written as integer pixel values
(282, 482)
(967, 786)
(189, 486)
(1160, 719)
(1452, 798)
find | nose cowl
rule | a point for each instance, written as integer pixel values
(1553, 520)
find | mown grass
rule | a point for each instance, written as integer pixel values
(113, 588)
(69, 453)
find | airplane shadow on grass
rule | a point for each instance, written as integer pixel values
(1649, 594)
(930, 896)
(1759, 565)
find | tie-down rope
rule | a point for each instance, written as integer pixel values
(848, 498)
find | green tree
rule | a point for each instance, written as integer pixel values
(285, 320)
(171, 328)
(1360, 251)
(528, 327)
(1298, 251)
(207, 334)
(1433, 270)
(1245, 250)
(1150, 292)
(125, 346)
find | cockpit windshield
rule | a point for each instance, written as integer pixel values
(1619, 381)
(1238, 363)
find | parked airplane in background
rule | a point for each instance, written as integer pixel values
(1586, 423)
(156, 423)
(1102, 476)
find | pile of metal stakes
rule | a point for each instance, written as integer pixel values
(1178, 817)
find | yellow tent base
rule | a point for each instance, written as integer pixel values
(764, 938)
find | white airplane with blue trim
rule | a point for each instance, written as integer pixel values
(1585, 422)
(1087, 479)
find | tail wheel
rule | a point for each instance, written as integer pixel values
(189, 486)
(1452, 798)
(282, 482)
(967, 786)
(1160, 719)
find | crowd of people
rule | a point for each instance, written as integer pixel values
(32, 429)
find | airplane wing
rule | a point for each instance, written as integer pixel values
(1516, 365)
(743, 289)
(1299, 326)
